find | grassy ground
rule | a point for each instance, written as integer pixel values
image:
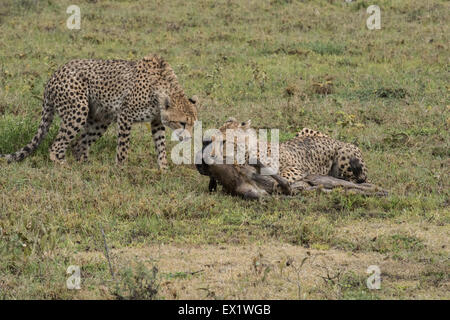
(269, 61)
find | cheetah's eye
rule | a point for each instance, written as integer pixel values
(183, 124)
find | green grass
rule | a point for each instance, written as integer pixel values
(252, 60)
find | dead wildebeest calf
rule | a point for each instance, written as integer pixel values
(243, 181)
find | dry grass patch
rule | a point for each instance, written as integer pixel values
(276, 271)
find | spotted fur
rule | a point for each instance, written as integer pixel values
(89, 95)
(312, 152)
(306, 132)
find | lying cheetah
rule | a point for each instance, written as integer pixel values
(312, 152)
(89, 95)
(309, 153)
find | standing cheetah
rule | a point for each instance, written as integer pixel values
(89, 95)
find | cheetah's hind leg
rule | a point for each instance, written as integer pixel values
(66, 134)
(92, 131)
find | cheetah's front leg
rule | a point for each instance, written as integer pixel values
(159, 138)
(123, 138)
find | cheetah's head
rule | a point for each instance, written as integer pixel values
(233, 124)
(179, 113)
(233, 131)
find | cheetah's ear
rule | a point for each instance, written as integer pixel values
(246, 124)
(164, 101)
(193, 99)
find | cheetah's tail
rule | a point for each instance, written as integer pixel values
(47, 118)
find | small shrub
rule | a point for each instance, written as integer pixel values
(138, 284)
